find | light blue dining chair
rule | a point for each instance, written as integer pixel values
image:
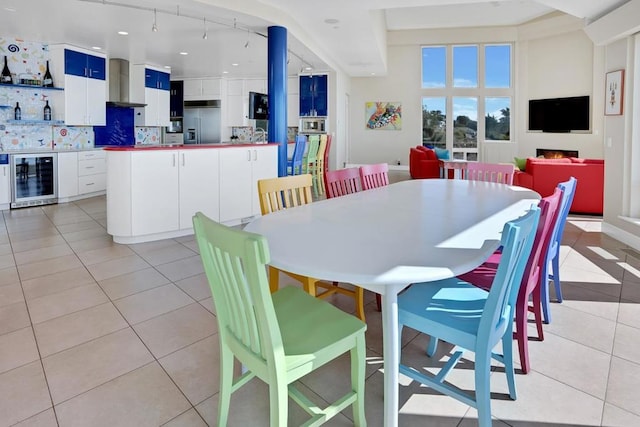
(473, 319)
(294, 165)
(553, 254)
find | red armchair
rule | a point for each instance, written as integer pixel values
(423, 163)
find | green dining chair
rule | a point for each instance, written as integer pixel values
(310, 157)
(275, 336)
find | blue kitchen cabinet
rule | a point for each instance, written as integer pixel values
(313, 96)
(84, 65)
(155, 79)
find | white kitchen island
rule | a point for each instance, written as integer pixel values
(152, 192)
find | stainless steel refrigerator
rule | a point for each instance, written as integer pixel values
(201, 122)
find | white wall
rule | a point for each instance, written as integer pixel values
(553, 58)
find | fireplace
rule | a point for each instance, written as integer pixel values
(551, 153)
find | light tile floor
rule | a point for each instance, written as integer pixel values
(94, 333)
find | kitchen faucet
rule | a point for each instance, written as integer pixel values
(263, 138)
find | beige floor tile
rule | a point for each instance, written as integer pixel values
(144, 397)
(176, 329)
(10, 294)
(75, 236)
(33, 232)
(56, 282)
(65, 302)
(191, 418)
(195, 369)
(41, 254)
(627, 343)
(98, 242)
(50, 266)
(544, 358)
(8, 276)
(616, 417)
(43, 419)
(7, 261)
(623, 385)
(117, 267)
(154, 302)
(72, 227)
(37, 242)
(629, 314)
(81, 368)
(17, 348)
(76, 328)
(584, 328)
(5, 248)
(196, 286)
(586, 300)
(167, 254)
(109, 253)
(132, 283)
(146, 247)
(14, 317)
(62, 217)
(23, 393)
(182, 269)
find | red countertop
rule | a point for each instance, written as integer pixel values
(182, 147)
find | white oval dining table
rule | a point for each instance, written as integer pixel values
(387, 238)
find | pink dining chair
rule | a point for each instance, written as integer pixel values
(374, 176)
(483, 276)
(490, 172)
(342, 182)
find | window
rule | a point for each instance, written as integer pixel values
(469, 81)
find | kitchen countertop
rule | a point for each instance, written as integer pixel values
(71, 150)
(183, 146)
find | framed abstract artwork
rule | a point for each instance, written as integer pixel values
(380, 115)
(614, 95)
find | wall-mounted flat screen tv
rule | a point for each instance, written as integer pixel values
(258, 106)
(559, 114)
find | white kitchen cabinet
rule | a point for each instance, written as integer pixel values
(84, 83)
(92, 171)
(5, 186)
(67, 175)
(154, 192)
(237, 110)
(202, 89)
(150, 86)
(199, 185)
(240, 170)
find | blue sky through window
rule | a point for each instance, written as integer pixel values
(434, 64)
(497, 60)
(465, 66)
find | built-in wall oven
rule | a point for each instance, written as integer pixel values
(34, 179)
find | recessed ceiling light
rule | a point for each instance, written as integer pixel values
(308, 68)
(123, 33)
(96, 48)
(167, 66)
(225, 72)
(331, 21)
(234, 64)
(184, 53)
(9, 9)
(373, 74)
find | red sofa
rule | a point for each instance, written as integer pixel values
(423, 163)
(543, 175)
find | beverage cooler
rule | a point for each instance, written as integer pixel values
(34, 180)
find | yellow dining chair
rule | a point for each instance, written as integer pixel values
(288, 192)
(269, 333)
(318, 168)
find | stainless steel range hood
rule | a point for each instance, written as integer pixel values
(119, 84)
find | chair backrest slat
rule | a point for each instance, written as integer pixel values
(343, 181)
(284, 192)
(374, 176)
(490, 172)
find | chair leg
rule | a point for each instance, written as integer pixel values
(359, 301)
(358, 356)
(483, 388)
(537, 313)
(274, 279)
(226, 384)
(544, 293)
(432, 346)
(555, 274)
(522, 336)
(507, 360)
(278, 403)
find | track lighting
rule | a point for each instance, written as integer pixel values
(204, 24)
(246, 45)
(154, 27)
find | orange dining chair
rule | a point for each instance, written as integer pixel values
(374, 176)
(490, 172)
(484, 275)
(288, 192)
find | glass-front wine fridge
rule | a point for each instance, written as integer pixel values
(34, 179)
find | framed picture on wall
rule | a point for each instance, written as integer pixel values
(614, 95)
(383, 115)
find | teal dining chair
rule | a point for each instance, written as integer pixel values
(553, 254)
(529, 295)
(279, 337)
(472, 318)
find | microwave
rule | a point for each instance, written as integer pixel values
(312, 125)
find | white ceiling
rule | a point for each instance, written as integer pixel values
(345, 34)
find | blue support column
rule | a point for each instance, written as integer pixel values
(277, 89)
